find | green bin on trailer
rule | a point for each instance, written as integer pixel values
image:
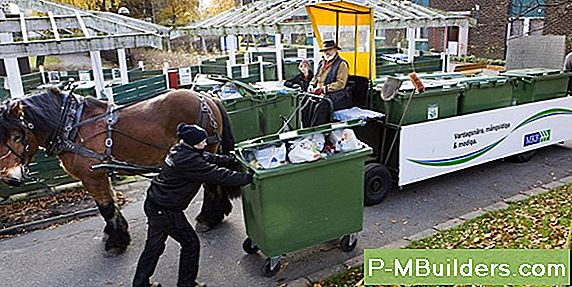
(279, 108)
(485, 93)
(290, 67)
(244, 113)
(296, 206)
(538, 84)
(245, 116)
(437, 102)
(281, 103)
(262, 113)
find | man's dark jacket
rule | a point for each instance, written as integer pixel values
(183, 172)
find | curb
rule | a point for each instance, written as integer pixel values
(451, 223)
(43, 223)
(55, 189)
(62, 218)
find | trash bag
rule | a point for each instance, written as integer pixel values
(345, 140)
(307, 149)
(229, 91)
(271, 157)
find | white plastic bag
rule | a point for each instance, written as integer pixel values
(345, 140)
(307, 149)
(229, 92)
(271, 157)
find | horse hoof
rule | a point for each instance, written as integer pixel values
(113, 252)
(115, 248)
(202, 227)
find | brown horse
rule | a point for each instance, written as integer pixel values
(142, 134)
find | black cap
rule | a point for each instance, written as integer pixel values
(191, 134)
(329, 44)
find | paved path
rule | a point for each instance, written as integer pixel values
(72, 254)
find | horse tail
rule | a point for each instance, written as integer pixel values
(227, 144)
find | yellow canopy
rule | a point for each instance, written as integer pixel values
(351, 26)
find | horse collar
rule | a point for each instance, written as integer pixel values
(65, 131)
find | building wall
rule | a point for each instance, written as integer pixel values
(394, 36)
(489, 37)
(558, 19)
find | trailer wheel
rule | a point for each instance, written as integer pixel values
(249, 247)
(522, 157)
(377, 183)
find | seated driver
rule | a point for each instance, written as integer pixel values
(330, 82)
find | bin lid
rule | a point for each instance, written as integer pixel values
(203, 82)
(442, 76)
(408, 85)
(534, 72)
(294, 60)
(274, 87)
(483, 80)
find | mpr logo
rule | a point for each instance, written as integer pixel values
(537, 137)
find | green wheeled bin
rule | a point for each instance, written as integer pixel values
(246, 116)
(244, 113)
(261, 114)
(538, 84)
(291, 67)
(261, 110)
(280, 105)
(440, 100)
(485, 93)
(296, 206)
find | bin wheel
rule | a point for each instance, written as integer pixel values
(267, 268)
(522, 157)
(249, 247)
(348, 243)
(377, 183)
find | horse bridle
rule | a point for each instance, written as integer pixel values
(22, 126)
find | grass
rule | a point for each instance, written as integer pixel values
(540, 222)
(50, 62)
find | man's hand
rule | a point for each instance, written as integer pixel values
(316, 90)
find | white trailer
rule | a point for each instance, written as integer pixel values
(430, 149)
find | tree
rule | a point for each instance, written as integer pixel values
(101, 5)
(140, 9)
(217, 7)
(177, 12)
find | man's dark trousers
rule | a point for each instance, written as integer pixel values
(164, 223)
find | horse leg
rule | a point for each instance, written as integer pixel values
(116, 226)
(216, 204)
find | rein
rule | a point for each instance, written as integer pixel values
(9, 152)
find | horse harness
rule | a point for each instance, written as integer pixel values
(62, 139)
(205, 110)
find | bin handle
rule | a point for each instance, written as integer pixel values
(528, 81)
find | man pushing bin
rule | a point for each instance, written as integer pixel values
(185, 169)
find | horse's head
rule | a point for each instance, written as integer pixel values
(14, 143)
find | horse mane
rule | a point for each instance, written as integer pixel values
(91, 102)
(7, 122)
(43, 110)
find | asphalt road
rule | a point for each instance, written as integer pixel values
(72, 254)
